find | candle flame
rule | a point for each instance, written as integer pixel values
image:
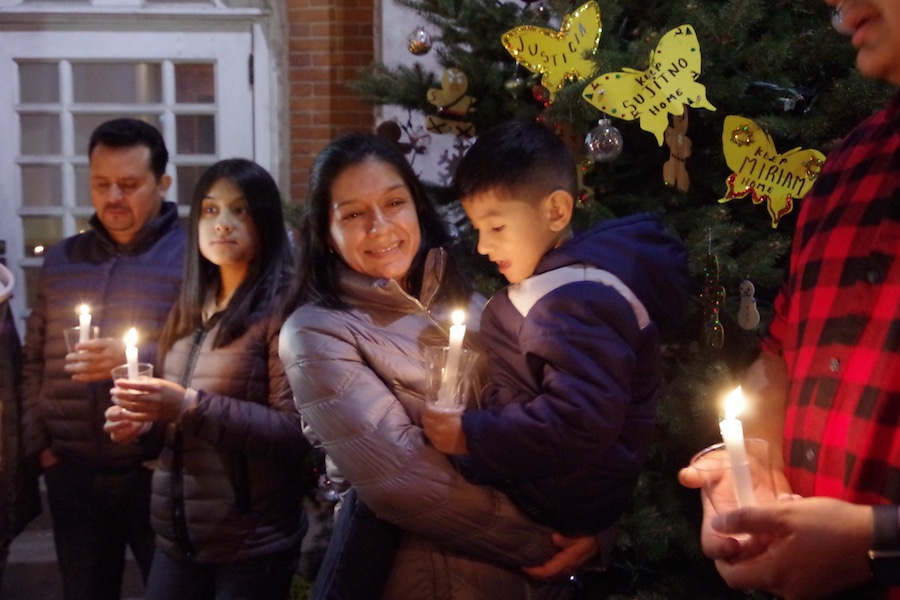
(84, 309)
(734, 403)
(458, 317)
(131, 337)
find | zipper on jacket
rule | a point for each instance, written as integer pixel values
(179, 516)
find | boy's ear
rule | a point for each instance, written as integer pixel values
(559, 206)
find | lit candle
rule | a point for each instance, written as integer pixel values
(84, 323)
(454, 353)
(131, 353)
(733, 436)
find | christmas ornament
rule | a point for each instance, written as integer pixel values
(711, 298)
(662, 89)
(419, 41)
(837, 21)
(674, 170)
(541, 95)
(748, 314)
(453, 105)
(759, 170)
(539, 10)
(585, 192)
(559, 56)
(419, 138)
(515, 85)
(603, 143)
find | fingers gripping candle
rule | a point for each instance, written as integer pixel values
(131, 353)
(733, 435)
(454, 352)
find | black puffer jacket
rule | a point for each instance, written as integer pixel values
(228, 485)
(20, 500)
(125, 286)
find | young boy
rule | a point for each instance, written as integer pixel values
(573, 344)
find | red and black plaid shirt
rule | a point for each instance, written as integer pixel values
(837, 323)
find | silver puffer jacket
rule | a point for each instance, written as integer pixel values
(358, 377)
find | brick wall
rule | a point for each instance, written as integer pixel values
(329, 40)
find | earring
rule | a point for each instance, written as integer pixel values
(837, 21)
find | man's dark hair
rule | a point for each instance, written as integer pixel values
(521, 157)
(127, 132)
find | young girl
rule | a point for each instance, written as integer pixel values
(227, 500)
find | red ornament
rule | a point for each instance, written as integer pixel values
(541, 94)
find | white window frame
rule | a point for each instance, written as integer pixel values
(76, 32)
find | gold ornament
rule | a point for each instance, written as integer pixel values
(453, 105)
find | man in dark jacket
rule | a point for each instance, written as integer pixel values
(127, 269)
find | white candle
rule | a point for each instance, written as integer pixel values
(454, 352)
(733, 436)
(84, 323)
(131, 353)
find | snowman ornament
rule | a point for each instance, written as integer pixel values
(748, 314)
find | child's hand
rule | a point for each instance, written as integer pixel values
(444, 430)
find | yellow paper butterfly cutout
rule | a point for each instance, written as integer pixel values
(665, 87)
(559, 56)
(759, 170)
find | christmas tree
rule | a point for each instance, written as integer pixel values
(780, 66)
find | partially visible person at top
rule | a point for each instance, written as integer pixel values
(379, 289)
(20, 500)
(825, 390)
(573, 344)
(127, 269)
(227, 501)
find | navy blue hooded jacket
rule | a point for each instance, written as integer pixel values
(574, 365)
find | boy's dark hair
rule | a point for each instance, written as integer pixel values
(127, 132)
(519, 156)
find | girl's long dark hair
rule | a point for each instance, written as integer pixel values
(266, 277)
(316, 279)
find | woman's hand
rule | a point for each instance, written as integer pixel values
(147, 400)
(574, 553)
(120, 427)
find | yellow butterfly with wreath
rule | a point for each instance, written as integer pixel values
(763, 173)
(664, 88)
(559, 56)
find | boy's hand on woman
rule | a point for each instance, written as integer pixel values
(444, 431)
(574, 553)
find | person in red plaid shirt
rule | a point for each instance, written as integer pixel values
(826, 387)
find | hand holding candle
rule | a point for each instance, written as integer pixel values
(454, 353)
(131, 353)
(733, 436)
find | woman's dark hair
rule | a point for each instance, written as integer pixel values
(318, 267)
(267, 273)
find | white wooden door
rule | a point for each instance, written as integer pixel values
(58, 84)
